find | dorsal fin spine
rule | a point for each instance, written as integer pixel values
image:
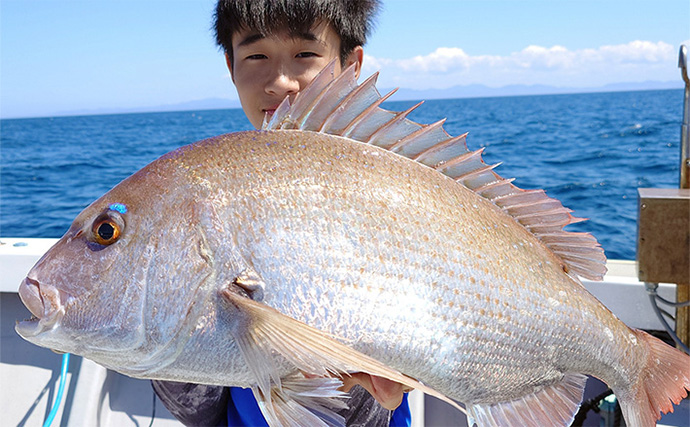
(557, 212)
(570, 238)
(535, 208)
(546, 228)
(463, 158)
(358, 120)
(322, 100)
(342, 105)
(434, 151)
(306, 100)
(515, 198)
(473, 173)
(397, 118)
(357, 114)
(278, 115)
(415, 135)
(492, 190)
(582, 251)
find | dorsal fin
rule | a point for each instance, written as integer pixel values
(338, 106)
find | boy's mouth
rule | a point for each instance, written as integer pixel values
(271, 109)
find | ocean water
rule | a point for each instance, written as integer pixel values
(591, 151)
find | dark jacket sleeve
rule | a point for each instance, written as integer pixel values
(364, 411)
(194, 404)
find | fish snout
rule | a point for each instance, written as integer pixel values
(45, 304)
(30, 294)
(44, 301)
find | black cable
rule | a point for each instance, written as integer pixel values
(668, 328)
(667, 314)
(589, 405)
(671, 303)
(617, 415)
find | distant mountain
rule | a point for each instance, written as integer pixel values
(467, 91)
(201, 104)
(479, 91)
(196, 105)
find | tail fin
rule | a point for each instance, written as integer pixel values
(664, 379)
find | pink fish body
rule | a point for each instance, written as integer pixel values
(275, 259)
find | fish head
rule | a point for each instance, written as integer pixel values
(96, 290)
(73, 289)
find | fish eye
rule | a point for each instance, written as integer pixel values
(107, 228)
(107, 231)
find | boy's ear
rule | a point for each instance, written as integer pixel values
(355, 57)
(228, 62)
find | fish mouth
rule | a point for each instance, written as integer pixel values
(30, 294)
(44, 304)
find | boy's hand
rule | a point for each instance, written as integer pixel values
(388, 393)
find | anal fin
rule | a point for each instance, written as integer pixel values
(555, 405)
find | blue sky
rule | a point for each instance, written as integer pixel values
(62, 56)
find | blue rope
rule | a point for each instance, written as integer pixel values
(61, 389)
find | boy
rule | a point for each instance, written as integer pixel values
(273, 49)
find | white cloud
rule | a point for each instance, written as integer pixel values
(635, 61)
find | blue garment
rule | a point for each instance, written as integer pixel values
(401, 416)
(243, 410)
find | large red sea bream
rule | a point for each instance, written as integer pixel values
(345, 238)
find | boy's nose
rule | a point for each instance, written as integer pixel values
(282, 84)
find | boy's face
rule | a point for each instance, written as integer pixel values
(267, 69)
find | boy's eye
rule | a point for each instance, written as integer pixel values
(306, 55)
(256, 56)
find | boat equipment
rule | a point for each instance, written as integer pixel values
(683, 287)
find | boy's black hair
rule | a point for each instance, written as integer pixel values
(351, 19)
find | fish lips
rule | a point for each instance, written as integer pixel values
(44, 303)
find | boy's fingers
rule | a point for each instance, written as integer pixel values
(388, 393)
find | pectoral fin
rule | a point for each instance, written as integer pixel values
(313, 352)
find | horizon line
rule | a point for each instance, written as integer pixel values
(544, 90)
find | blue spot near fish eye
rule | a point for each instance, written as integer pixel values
(119, 207)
